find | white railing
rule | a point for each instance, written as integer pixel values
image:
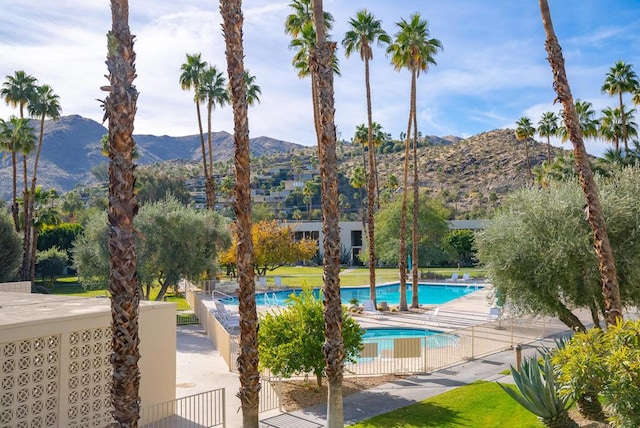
(203, 410)
(270, 393)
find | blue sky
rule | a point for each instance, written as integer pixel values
(492, 70)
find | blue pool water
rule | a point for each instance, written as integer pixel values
(385, 337)
(428, 294)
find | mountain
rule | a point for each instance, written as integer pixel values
(71, 147)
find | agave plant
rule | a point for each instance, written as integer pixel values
(539, 393)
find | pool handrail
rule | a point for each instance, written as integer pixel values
(224, 295)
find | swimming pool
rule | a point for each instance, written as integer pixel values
(388, 338)
(428, 294)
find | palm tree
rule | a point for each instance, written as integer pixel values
(548, 127)
(610, 287)
(120, 110)
(611, 128)
(299, 25)
(586, 119)
(17, 91)
(621, 79)
(191, 77)
(524, 132)
(212, 89)
(253, 89)
(249, 392)
(321, 60)
(414, 50)
(365, 30)
(42, 213)
(358, 181)
(44, 104)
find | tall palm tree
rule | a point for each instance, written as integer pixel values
(414, 50)
(17, 91)
(610, 287)
(120, 110)
(249, 392)
(44, 104)
(364, 31)
(524, 131)
(25, 146)
(212, 89)
(191, 78)
(321, 60)
(548, 127)
(299, 25)
(619, 80)
(611, 128)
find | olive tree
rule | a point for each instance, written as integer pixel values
(432, 227)
(538, 250)
(290, 340)
(174, 242)
(10, 248)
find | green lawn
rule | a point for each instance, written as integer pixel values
(478, 405)
(69, 286)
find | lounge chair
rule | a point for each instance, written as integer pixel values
(227, 318)
(495, 313)
(454, 277)
(277, 282)
(466, 277)
(432, 316)
(370, 310)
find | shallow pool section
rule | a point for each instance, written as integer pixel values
(428, 294)
(409, 342)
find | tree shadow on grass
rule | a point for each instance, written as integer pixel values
(422, 414)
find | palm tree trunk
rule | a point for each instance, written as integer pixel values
(249, 392)
(371, 191)
(402, 262)
(211, 185)
(205, 169)
(548, 149)
(414, 230)
(526, 151)
(120, 108)
(32, 196)
(321, 61)
(610, 287)
(26, 225)
(624, 126)
(14, 200)
(316, 113)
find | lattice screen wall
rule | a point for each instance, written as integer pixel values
(57, 380)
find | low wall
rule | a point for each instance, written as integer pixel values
(56, 365)
(16, 287)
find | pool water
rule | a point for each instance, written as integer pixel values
(428, 294)
(386, 337)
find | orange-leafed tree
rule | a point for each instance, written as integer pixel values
(274, 245)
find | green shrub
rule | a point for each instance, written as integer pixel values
(609, 361)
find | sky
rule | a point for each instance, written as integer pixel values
(492, 70)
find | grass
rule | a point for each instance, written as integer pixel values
(294, 276)
(480, 404)
(69, 286)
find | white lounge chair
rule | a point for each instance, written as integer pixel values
(454, 277)
(432, 316)
(277, 282)
(370, 310)
(227, 318)
(466, 277)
